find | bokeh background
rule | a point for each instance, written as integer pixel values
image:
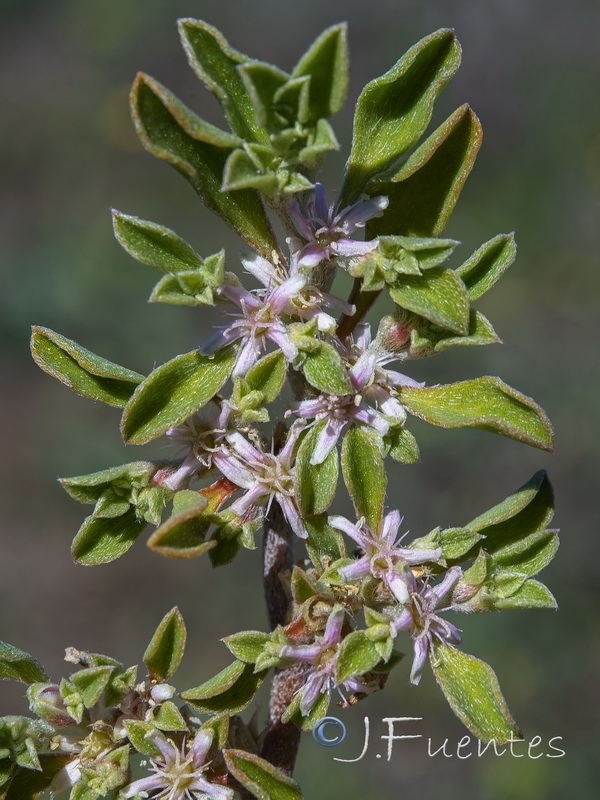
(68, 152)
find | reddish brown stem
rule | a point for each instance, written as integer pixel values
(363, 302)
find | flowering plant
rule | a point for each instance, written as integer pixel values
(340, 608)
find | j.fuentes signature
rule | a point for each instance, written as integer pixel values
(331, 732)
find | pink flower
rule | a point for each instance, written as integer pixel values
(265, 313)
(327, 231)
(201, 435)
(264, 476)
(373, 384)
(419, 617)
(383, 557)
(323, 656)
(179, 774)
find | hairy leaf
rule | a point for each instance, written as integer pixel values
(315, 483)
(169, 130)
(422, 195)
(364, 475)
(438, 294)
(154, 245)
(357, 655)
(471, 687)
(100, 539)
(17, 665)
(324, 369)
(173, 392)
(326, 62)
(231, 690)
(486, 265)
(216, 63)
(260, 777)
(81, 370)
(165, 651)
(486, 403)
(394, 110)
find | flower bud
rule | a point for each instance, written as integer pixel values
(393, 334)
(46, 701)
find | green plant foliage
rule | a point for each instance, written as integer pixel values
(316, 484)
(472, 689)
(260, 777)
(394, 110)
(485, 403)
(364, 475)
(423, 193)
(82, 371)
(173, 392)
(18, 665)
(165, 651)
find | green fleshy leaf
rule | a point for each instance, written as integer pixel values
(183, 534)
(399, 255)
(487, 264)
(267, 376)
(262, 81)
(326, 62)
(471, 687)
(251, 169)
(154, 245)
(230, 691)
(17, 665)
(169, 130)
(315, 483)
(81, 370)
(100, 540)
(427, 339)
(357, 655)
(165, 651)
(394, 110)
(291, 104)
(456, 542)
(169, 718)
(364, 475)
(527, 510)
(260, 777)
(323, 541)
(324, 369)
(21, 738)
(216, 63)
(125, 480)
(27, 784)
(136, 732)
(247, 645)
(422, 195)
(173, 392)
(320, 140)
(531, 594)
(82, 791)
(304, 586)
(527, 554)
(486, 403)
(183, 289)
(90, 683)
(439, 295)
(403, 446)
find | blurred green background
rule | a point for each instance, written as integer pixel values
(68, 152)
